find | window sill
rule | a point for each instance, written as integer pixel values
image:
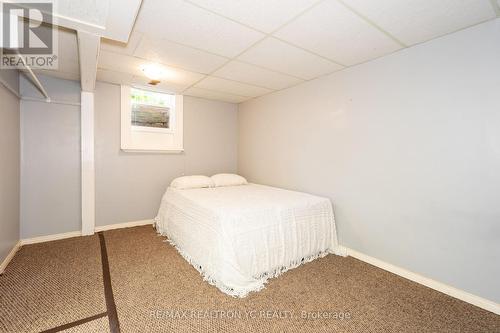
(178, 151)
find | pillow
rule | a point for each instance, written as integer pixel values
(186, 182)
(228, 179)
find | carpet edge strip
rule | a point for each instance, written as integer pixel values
(114, 324)
(75, 323)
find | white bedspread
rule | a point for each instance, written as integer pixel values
(239, 236)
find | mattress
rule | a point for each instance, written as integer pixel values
(238, 237)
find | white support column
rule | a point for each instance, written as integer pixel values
(88, 47)
(88, 169)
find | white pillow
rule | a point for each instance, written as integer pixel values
(186, 182)
(228, 179)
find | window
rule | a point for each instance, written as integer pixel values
(151, 110)
(151, 121)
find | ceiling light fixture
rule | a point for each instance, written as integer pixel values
(154, 72)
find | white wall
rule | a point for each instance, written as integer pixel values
(50, 167)
(408, 149)
(129, 186)
(9, 163)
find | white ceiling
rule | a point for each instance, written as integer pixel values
(91, 11)
(236, 50)
(106, 18)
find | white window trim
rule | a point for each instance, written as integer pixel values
(153, 129)
(150, 140)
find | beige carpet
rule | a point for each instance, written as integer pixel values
(96, 326)
(156, 290)
(152, 283)
(50, 284)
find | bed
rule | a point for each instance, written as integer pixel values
(238, 237)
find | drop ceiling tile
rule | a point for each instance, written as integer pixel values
(215, 95)
(254, 75)
(128, 79)
(177, 55)
(120, 63)
(123, 48)
(420, 20)
(114, 77)
(231, 87)
(263, 15)
(190, 25)
(89, 11)
(332, 30)
(282, 57)
(131, 65)
(164, 86)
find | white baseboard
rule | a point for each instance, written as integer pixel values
(48, 238)
(433, 284)
(9, 257)
(123, 225)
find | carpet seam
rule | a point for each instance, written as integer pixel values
(75, 323)
(114, 324)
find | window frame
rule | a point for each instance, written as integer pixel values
(150, 139)
(171, 116)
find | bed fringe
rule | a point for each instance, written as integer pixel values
(294, 264)
(262, 278)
